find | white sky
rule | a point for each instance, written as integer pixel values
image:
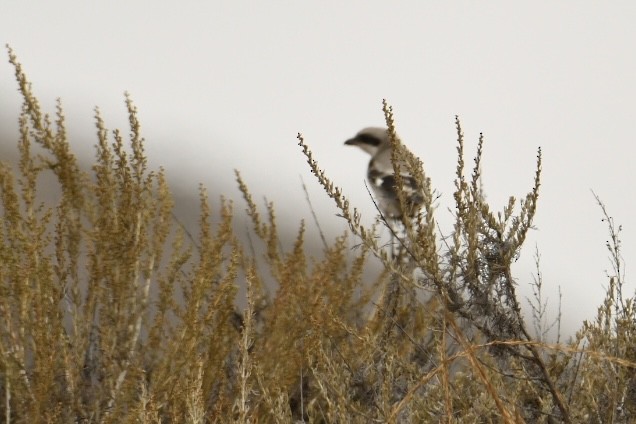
(224, 85)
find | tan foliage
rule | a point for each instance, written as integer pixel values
(111, 313)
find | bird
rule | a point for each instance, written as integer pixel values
(381, 177)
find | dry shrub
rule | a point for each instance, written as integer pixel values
(112, 313)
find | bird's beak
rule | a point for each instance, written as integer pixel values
(351, 142)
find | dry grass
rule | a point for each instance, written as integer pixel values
(111, 314)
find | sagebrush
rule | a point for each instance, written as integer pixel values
(111, 312)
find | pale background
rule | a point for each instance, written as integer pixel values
(224, 85)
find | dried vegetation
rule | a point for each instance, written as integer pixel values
(111, 313)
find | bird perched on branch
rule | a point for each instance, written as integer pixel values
(381, 176)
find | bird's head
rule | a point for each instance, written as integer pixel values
(371, 140)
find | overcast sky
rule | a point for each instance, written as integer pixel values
(224, 85)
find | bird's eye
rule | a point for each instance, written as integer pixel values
(369, 139)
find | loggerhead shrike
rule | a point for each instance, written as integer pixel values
(381, 177)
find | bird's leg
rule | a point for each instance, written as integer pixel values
(395, 238)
